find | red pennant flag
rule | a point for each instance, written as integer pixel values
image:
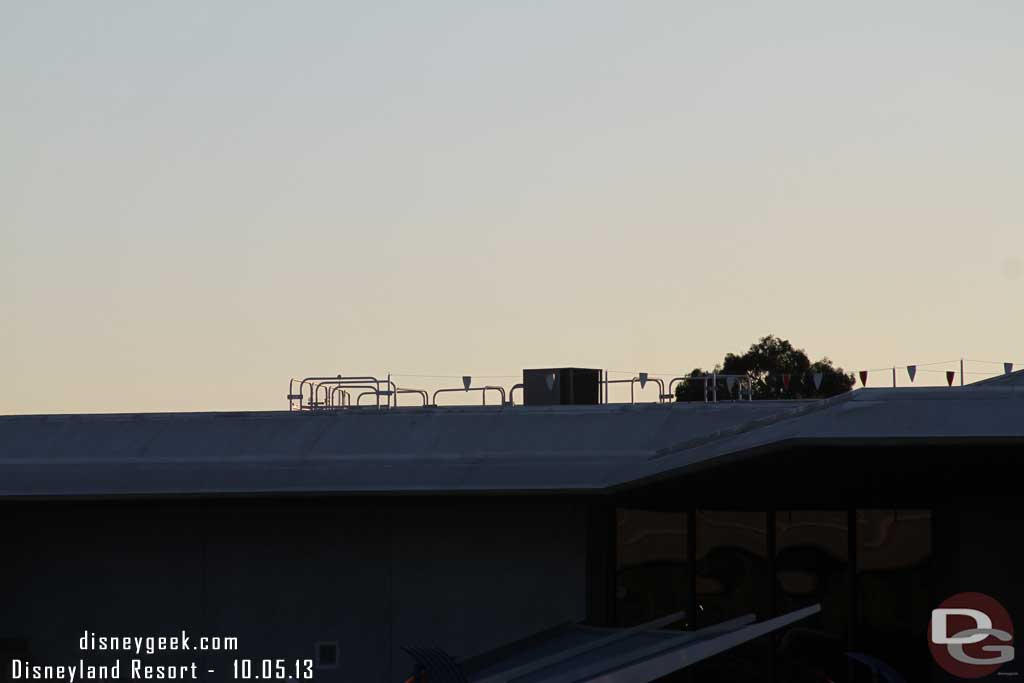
(949, 377)
(864, 377)
(785, 380)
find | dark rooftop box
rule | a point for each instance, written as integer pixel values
(561, 387)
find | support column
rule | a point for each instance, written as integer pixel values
(601, 561)
(851, 560)
(772, 600)
(692, 610)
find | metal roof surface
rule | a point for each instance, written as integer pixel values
(459, 449)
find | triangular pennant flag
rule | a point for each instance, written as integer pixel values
(643, 379)
(912, 371)
(949, 377)
(785, 380)
(864, 377)
(466, 381)
(730, 382)
(818, 376)
(1007, 368)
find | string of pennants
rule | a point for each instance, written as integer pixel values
(818, 377)
(912, 372)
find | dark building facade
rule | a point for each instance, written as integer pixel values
(343, 538)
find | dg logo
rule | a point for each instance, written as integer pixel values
(970, 635)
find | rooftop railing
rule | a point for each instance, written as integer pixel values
(335, 392)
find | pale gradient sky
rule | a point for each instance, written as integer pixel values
(201, 200)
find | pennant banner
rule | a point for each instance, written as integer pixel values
(864, 377)
(818, 376)
(643, 379)
(912, 371)
(785, 380)
(1007, 368)
(730, 382)
(950, 375)
(467, 380)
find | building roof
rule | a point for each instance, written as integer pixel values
(463, 449)
(1009, 379)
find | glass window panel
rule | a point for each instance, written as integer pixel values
(733, 580)
(811, 566)
(652, 577)
(894, 588)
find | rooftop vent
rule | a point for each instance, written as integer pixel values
(561, 387)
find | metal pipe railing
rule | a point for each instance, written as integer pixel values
(331, 392)
(357, 382)
(632, 394)
(606, 382)
(483, 391)
(316, 383)
(331, 387)
(656, 380)
(371, 392)
(342, 388)
(346, 398)
(421, 392)
(292, 396)
(711, 385)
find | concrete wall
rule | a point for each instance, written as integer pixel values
(465, 576)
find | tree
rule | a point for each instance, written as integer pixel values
(769, 363)
(692, 390)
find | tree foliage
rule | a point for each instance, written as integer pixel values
(767, 363)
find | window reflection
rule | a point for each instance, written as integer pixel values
(651, 569)
(894, 588)
(733, 581)
(811, 566)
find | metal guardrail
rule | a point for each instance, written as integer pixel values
(711, 385)
(308, 395)
(644, 379)
(483, 392)
(421, 392)
(332, 393)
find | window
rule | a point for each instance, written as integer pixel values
(732, 581)
(651, 569)
(894, 588)
(811, 566)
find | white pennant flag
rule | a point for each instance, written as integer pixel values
(466, 381)
(1007, 368)
(643, 379)
(818, 376)
(912, 371)
(730, 382)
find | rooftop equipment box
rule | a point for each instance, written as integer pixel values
(561, 387)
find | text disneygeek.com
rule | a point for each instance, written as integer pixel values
(134, 667)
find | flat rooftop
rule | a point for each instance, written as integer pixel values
(482, 449)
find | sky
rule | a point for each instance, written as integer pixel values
(199, 201)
